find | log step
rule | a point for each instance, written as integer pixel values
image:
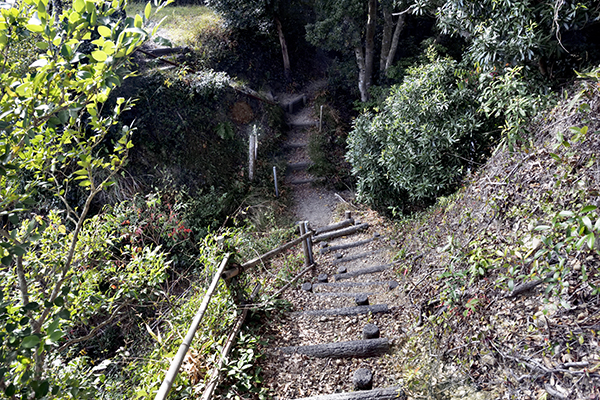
(295, 104)
(334, 227)
(354, 348)
(345, 246)
(342, 232)
(391, 393)
(294, 145)
(299, 166)
(364, 271)
(345, 311)
(353, 284)
(358, 256)
(343, 294)
(302, 181)
(302, 124)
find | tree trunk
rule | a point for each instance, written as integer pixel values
(370, 43)
(395, 39)
(386, 41)
(284, 49)
(362, 74)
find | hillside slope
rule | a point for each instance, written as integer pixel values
(502, 279)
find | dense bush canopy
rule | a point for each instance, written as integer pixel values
(421, 141)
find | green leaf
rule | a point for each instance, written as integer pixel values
(30, 342)
(542, 227)
(591, 240)
(566, 213)
(59, 301)
(104, 31)
(99, 55)
(56, 335)
(147, 10)
(587, 209)
(31, 306)
(587, 222)
(19, 251)
(10, 390)
(138, 22)
(42, 389)
(79, 5)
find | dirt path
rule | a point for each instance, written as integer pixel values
(311, 202)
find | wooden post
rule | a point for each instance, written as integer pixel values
(251, 156)
(275, 180)
(304, 244)
(163, 391)
(311, 259)
(321, 120)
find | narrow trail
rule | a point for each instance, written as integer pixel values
(310, 202)
(337, 341)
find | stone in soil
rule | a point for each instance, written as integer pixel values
(370, 331)
(363, 379)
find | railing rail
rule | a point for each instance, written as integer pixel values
(306, 238)
(163, 391)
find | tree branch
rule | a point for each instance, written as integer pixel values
(95, 330)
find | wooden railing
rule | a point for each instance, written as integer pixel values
(306, 238)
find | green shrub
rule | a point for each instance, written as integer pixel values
(422, 140)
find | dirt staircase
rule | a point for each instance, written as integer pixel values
(337, 340)
(300, 120)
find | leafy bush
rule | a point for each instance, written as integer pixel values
(514, 97)
(421, 141)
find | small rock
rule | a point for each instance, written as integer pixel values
(488, 359)
(349, 329)
(338, 256)
(362, 300)
(392, 285)
(322, 278)
(370, 331)
(376, 234)
(363, 379)
(342, 270)
(307, 287)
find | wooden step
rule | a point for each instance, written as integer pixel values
(345, 246)
(302, 181)
(333, 227)
(354, 257)
(391, 393)
(345, 311)
(299, 166)
(355, 284)
(363, 271)
(343, 294)
(342, 232)
(302, 124)
(290, 146)
(354, 348)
